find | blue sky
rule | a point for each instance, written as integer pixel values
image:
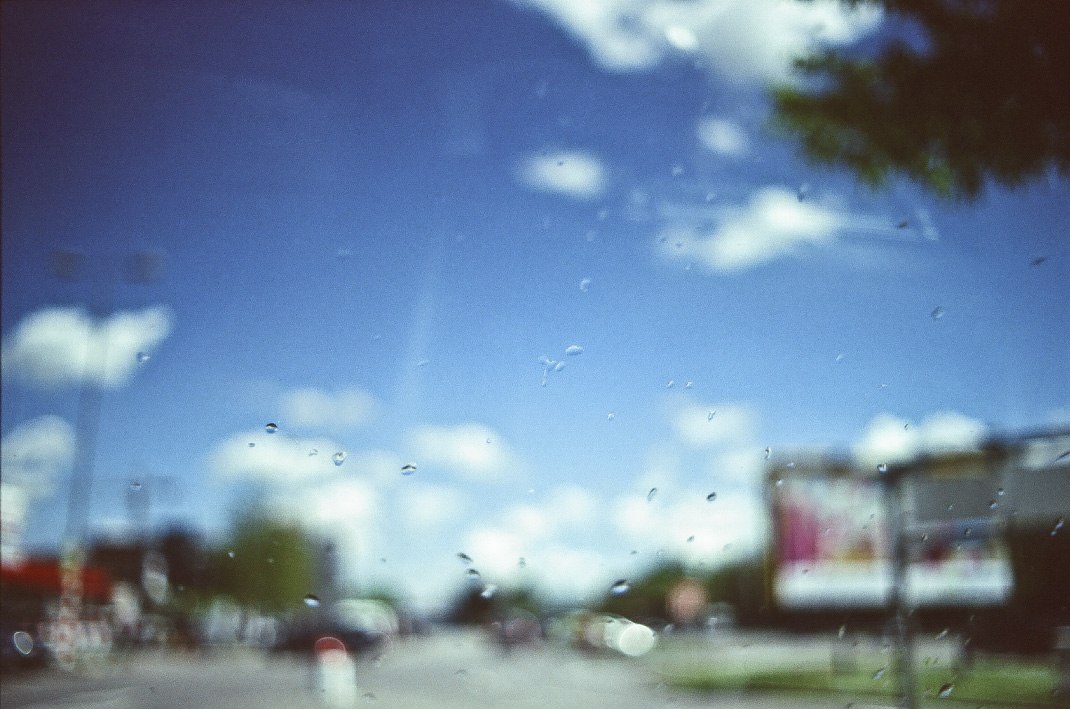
(382, 225)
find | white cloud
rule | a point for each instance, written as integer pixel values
(740, 40)
(36, 452)
(574, 174)
(472, 450)
(723, 137)
(276, 458)
(889, 439)
(57, 346)
(430, 508)
(316, 408)
(715, 424)
(774, 224)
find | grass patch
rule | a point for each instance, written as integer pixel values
(987, 681)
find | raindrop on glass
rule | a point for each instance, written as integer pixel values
(993, 505)
(689, 384)
(946, 690)
(950, 507)
(472, 574)
(620, 587)
(488, 591)
(937, 313)
(669, 384)
(711, 497)
(573, 350)
(710, 415)
(559, 366)
(1058, 526)
(610, 416)
(839, 357)
(804, 189)
(230, 554)
(271, 427)
(22, 641)
(522, 562)
(882, 468)
(967, 532)
(780, 482)
(942, 634)
(408, 469)
(313, 452)
(252, 445)
(652, 494)
(677, 170)
(878, 674)
(841, 632)
(585, 285)
(464, 557)
(768, 452)
(312, 600)
(135, 486)
(1000, 492)
(691, 539)
(142, 357)
(339, 457)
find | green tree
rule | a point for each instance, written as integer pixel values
(270, 565)
(979, 95)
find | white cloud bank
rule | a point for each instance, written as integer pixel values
(472, 451)
(740, 40)
(575, 174)
(774, 224)
(315, 408)
(36, 452)
(276, 458)
(889, 439)
(54, 347)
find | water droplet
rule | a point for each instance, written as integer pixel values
(136, 485)
(489, 441)
(620, 587)
(339, 457)
(946, 690)
(522, 562)
(903, 224)
(839, 357)
(1000, 492)
(271, 427)
(573, 350)
(906, 426)
(22, 641)
(677, 170)
(691, 539)
(312, 600)
(993, 505)
(711, 497)
(942, 634)
(967, 532)
(780, 482)
(768, 452)
(610, 416)
(689, 384)
(488, 591)
(313, 452)
(882, 468)
(369, 696)
(1058, 526)
(558, 366)
(230, 554)
(710, 415)
(408, 469)
(950, 507)
(669, 384)
(464, 557)
(423, 363)
(879, 673)
(472, 574)
(252, 445)
(791, 464)
(271, 560)
(841, 632)
(652, 494)
(142, 357)
(937, 313)
(585, 285)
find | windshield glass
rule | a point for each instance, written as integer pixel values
(329, 318)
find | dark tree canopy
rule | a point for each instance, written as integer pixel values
(984, 98)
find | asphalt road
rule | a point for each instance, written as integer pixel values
(449, 669)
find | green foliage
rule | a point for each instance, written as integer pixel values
(273, 565)
(984, 98)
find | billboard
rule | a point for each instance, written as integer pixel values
(833, 541)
